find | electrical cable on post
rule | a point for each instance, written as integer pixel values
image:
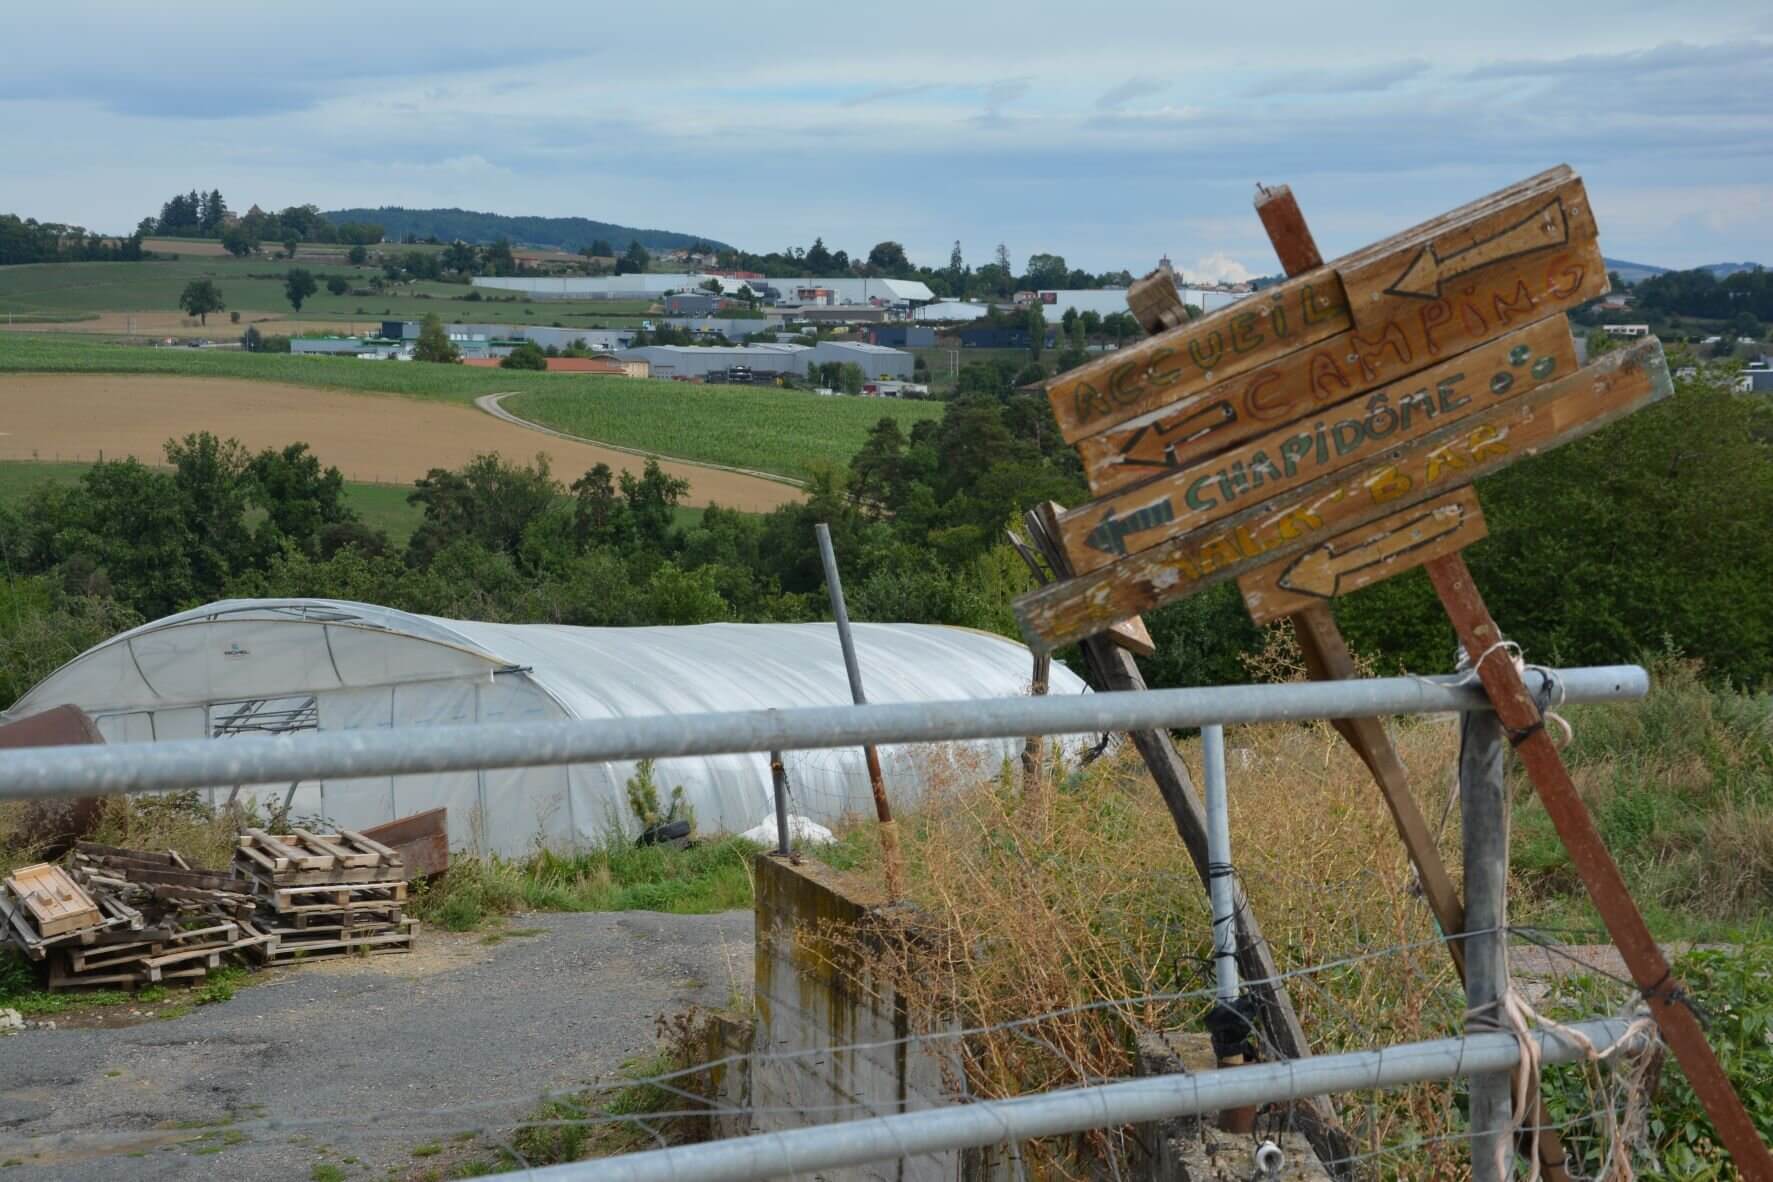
(889, 834)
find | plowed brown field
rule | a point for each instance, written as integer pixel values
(368, 437)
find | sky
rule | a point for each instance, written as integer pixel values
(1106, 133)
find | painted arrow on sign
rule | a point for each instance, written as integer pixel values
(1111, 532)
(1422, 279)
(1321, 571)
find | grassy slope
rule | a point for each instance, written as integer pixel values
(72, 290)
(744, 426)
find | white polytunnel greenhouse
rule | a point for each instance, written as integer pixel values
(258, 666)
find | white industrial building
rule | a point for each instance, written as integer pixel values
(696, 361)
(1104, 301)
(254, 667)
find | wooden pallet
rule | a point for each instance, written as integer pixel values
(281, 950)
(53, 902)
(333, 896)
(14, 917)
(305, 858)
(61, 977)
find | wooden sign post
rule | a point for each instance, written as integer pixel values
(1322, 435)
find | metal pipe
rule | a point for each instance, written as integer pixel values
(779, 779)
(31, 772)
(883, 812)
(1219, 881)
(992, 1122)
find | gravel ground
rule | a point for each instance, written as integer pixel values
(348, 1058)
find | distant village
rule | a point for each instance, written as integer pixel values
(749, 328)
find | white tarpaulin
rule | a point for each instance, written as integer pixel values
(255, 666)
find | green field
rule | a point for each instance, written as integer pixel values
(71, 353)
(73, 291)
(755, 427)
(381, 506)
(758, 427)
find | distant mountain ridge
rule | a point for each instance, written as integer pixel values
(449, 225)
(1636, 272)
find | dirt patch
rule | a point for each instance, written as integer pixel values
(374, 438)
(182, 327)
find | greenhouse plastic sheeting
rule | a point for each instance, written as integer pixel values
(255, 666)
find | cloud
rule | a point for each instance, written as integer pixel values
(1358, 80)
(1116, 97)
(1669, 56)
(1220, 267)
(886, 93)
(1006, 91)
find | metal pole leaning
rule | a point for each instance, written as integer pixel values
(46, 772)
(889, 834)
(991, 1122)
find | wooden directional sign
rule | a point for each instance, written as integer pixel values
(1340, 436)
(1400, 476)
(1364, 556)
(1140, 411)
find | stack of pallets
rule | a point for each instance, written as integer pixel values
(326, 894)
(127, 917)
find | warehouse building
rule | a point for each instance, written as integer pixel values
(767, 361)
(694, 363)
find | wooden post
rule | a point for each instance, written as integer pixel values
(1483, 807)
(1521, 721)
(1112, 667)
(1327, 658)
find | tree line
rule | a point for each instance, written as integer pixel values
(206, 215)
(996, 279)
(27, 240)
(1744, 300)
(1648, 536)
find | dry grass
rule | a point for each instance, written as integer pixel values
(1079, 893)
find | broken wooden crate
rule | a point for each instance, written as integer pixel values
(162, 919)
(326, 894)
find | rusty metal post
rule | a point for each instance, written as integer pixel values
(1524, 726)
(889, 834)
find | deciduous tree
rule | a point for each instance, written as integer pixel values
(200, 298)
(298, 285)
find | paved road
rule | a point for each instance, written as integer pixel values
(343, 1058)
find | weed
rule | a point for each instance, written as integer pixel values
(220, 986)
(326, 1172)
(616, 876)
(429, 1149)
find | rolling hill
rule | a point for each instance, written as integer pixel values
(469, 225)
(1637, 272)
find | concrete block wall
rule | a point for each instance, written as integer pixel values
(814, 1002)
